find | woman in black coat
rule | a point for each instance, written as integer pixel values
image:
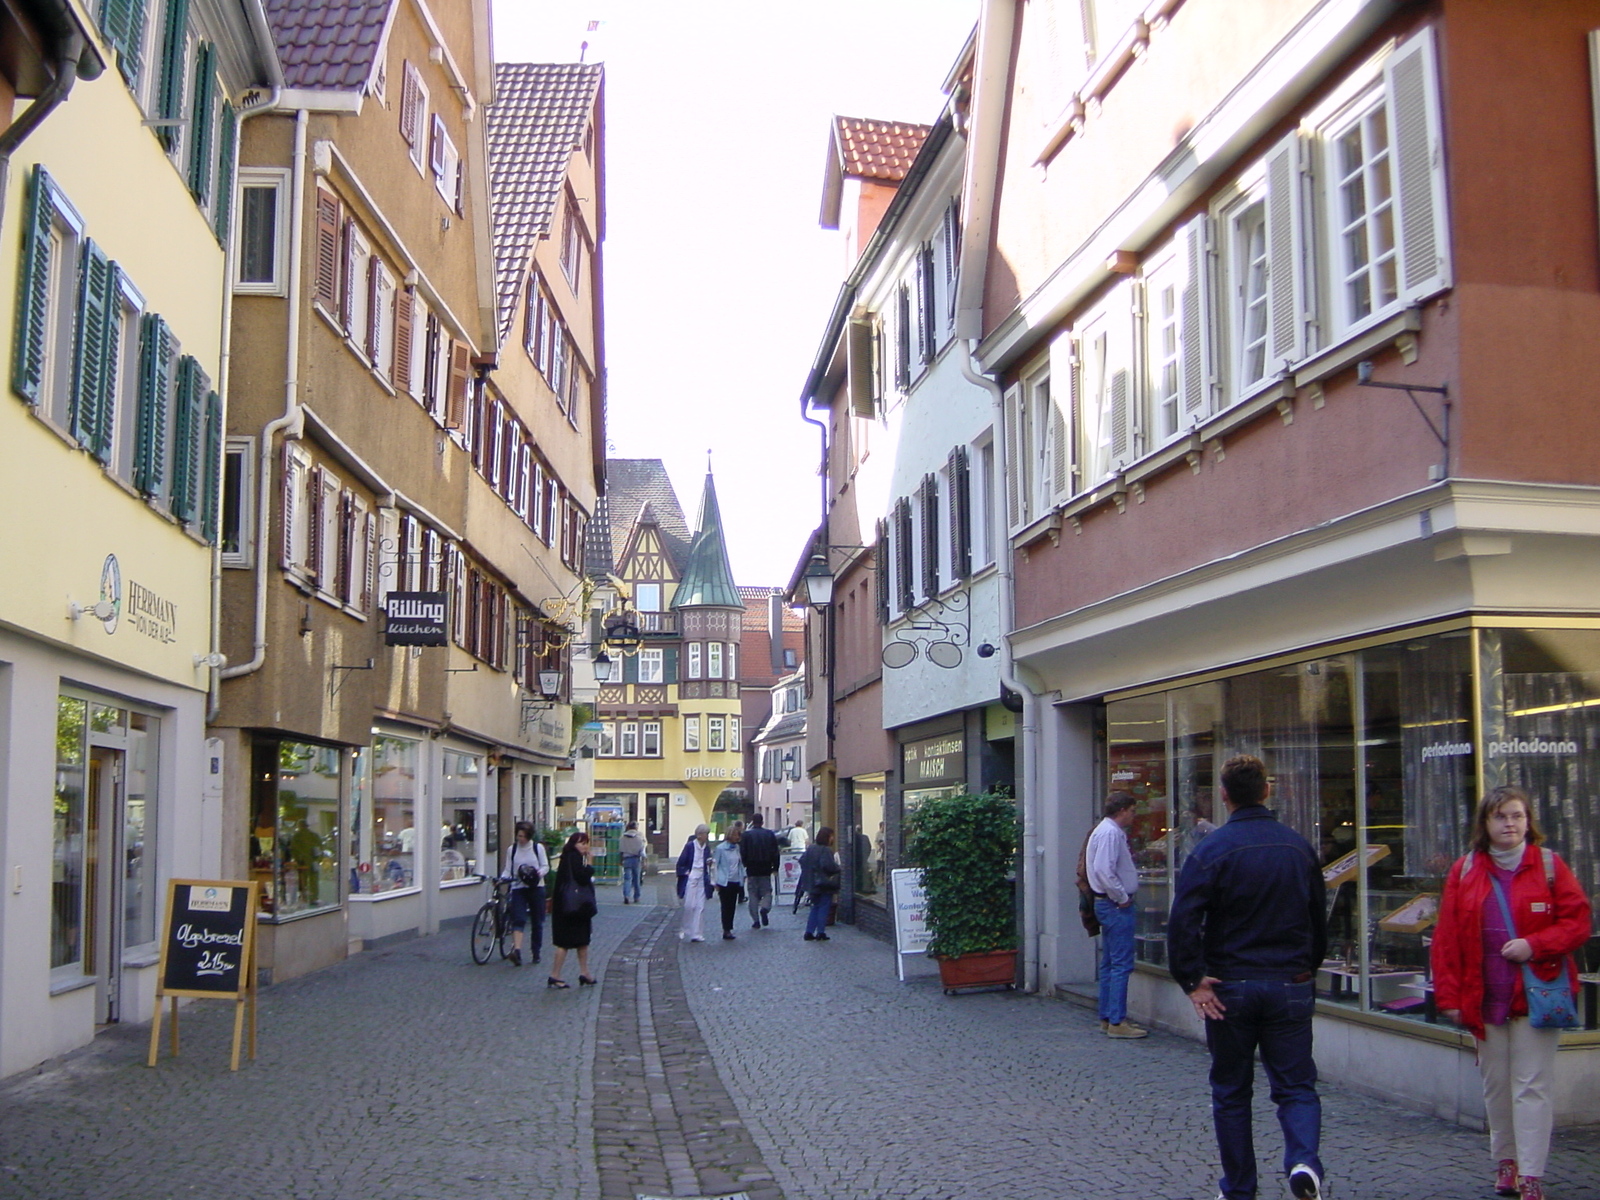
(572, 909)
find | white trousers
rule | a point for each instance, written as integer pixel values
(1519, 1066)
(694, 906)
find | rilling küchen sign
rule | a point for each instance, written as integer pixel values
(417, 619)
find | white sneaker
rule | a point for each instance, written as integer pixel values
(697, 939)
(1304, 1183)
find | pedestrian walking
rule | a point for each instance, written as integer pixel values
(1248, 930)
(572, 909)
(631, 849)
(694, 883)
(1511, 916)
(798, 838)
(820, 866)
(1113, 881)
(527, 864)
(727, 874)
(758, 849)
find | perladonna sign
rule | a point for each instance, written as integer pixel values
(417, 619)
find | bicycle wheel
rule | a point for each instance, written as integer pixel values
(505, 935)
(483, 934)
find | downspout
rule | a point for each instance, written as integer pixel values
(292, 422)
(996, 27)
(45, 103)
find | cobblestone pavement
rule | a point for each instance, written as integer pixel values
(767, 1065)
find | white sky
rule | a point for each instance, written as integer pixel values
(718, 280)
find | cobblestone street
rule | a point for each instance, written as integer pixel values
(781, 1069)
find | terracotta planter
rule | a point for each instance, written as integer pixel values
(992, 968)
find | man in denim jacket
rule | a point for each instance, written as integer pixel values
(1249, 928)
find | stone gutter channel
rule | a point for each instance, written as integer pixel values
(664, 1123)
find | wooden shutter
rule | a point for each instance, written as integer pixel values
(404, 307)
(1016, 513)
(33, 298)
(456, 406)
(1194, 324)
(930, 536)
(122, 22)
(92, 368)
(436, 142)
(314, 502)
(1122, 417)
(1052, 416)
(1410, 78)
(881, 568)
(155, 382)
(928, 318)
(960, 476)
(223, 210)
(366, 554)
(905, 585)
(1285, 234)
(902, 339)
(347, 278)
(186, 435)
(294, 495)
(410, 104)
(530, 290)
(326, 275)
(431, 347)
(169, 89)
(374, 330)
(952, 259)
(858, 348)
(202, 121)
(345, 552)
(211, 496)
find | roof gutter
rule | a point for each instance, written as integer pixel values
(70, 46)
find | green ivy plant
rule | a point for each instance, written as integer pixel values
(966, 846)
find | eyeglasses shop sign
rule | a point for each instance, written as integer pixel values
(935, 758)
(417, 619)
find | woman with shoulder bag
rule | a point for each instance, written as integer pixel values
(526, 866)
(572, 909)
(820, 867)
(1511, 916)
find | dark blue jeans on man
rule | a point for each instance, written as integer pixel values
(630, 876)
(1116, 957)
(527, 912)
(1274, 1016)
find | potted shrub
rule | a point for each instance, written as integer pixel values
(966, 846)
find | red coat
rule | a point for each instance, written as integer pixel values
(1554, 922)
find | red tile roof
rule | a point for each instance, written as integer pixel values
(881, 150)
(327, 45)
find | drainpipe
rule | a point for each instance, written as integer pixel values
(1032, 884)
(45, 103)
(292, 423)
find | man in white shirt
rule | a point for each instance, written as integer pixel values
(798, 838)
(1114, 879)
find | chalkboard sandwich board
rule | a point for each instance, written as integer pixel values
(208, 951)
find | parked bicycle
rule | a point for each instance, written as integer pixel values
(491, 928)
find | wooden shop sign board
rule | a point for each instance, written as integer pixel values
(208, 952)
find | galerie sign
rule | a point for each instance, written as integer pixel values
(417, 619)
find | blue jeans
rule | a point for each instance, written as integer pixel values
(1116, 958)
(630, 876)
(821, 906)
(527, 909)
(1274, 1016)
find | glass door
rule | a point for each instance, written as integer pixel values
(103, 843)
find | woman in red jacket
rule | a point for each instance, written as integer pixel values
(1477, 975)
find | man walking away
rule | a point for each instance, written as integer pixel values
(799, 839)
(1249, 929)
(631, 848)
(1113, 879)
(759, 849)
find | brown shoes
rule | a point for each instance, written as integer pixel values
(1127, 1029)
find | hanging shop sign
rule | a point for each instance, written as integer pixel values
(936, 759)
(208, 951)
(417, 619)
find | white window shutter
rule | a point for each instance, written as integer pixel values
(1063, 403)
(1286, 283)
(1194, 324)
(858, 351)
(1410, 77)
(388, 535)
(1122, 415)
(1016, 514)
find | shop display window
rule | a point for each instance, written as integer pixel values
(294, 836)
(385, 831)
(1373, 749)
(458, 838)
(69, 853)
(868, 837)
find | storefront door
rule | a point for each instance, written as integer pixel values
(103, 846)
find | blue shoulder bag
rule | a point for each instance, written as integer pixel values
(1550, 1005)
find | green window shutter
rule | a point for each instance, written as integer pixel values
(122, 22)
(669, 665)
(202, 121)
(223, 211)
(630, 668)
(33, 291)
(184, 457)
(169, 92)
(211, 498)
(155, 381)
(90, 366)
(106, 419)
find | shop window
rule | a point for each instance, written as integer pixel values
(458, 841)
(67, 891)
(384, 829)
(295, 831)
(868, 837)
